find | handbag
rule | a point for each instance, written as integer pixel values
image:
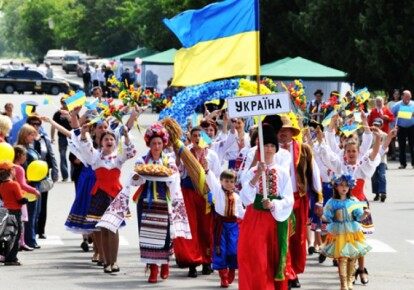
(45, 184)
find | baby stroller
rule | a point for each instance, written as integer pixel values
(8, 231)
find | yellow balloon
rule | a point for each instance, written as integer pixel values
(6, 152)
(30, 196)
(37, 170)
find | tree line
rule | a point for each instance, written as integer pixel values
(371, 40)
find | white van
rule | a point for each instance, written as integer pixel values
(54, 56)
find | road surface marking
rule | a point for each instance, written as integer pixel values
(50, 241)
(123, 241)
(380, 247)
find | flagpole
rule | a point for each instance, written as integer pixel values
(261, 145)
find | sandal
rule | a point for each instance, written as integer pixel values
(108, 269)
(115, 267)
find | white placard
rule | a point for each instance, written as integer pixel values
(258, 105)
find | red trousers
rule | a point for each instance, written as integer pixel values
(199, 249)
(258, 252)
(297, 242)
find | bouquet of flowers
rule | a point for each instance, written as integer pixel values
(158, 101)
(297, 95)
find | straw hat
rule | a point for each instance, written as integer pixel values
(287, 123)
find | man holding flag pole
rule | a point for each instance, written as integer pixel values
(227, 35)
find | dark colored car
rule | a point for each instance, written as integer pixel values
(31, 81)
(73, 86)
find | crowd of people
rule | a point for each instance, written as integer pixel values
(222, 207)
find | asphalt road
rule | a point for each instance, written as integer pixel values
(61, 264)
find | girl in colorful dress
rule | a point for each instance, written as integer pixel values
(76, 221)
(361, 169)
(266, 223)
(228, 208)
(317, 225)
(345, 240)
(160, 201)
(106, 162)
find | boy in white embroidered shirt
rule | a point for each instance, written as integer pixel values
(229, 209)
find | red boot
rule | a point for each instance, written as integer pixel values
(224, 278)
(232, 274)
(154, 273)
(165, 270)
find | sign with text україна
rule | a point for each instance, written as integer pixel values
(260, 105)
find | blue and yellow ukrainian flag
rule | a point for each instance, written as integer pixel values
(350, 129)
(76, 100)
(205, 140)
(220, 40)
(405, 112)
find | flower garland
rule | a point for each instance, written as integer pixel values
(350, 180)
(186, 102)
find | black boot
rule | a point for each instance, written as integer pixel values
(207, 269)
(192, 272)
(294, 283)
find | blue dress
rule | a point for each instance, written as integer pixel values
(76, 221)
(345, 238)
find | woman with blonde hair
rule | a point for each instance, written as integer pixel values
(5, 127)
(26, 138)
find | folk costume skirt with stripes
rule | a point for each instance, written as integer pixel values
(154, 221)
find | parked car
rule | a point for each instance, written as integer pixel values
(73, 86)
(71, 60)
(54, 56)
(31, 81)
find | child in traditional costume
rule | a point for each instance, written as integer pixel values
(360, 168)
(228, 208)
(345, 240)
(266, 227)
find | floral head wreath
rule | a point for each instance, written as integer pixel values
(156, 130)
(350, 180)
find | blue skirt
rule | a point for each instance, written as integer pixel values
(76, 220)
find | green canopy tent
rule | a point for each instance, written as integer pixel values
(268, 66)
(157, 69)
(301, 68)
(315, 75)
(162, 58)
(133, 54)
